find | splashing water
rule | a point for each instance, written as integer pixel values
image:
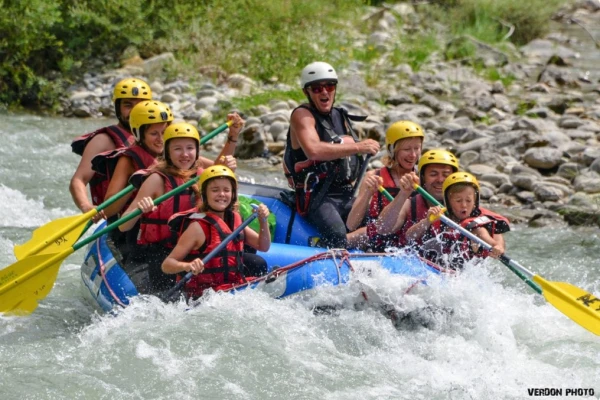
(482, 334)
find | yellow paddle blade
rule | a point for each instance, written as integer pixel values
(25, 282)
(577, 304)
(55, 236)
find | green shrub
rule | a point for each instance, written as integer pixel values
(26, 47)
(490, 20)
(46, 43)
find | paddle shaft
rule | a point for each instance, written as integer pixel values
(58, 257)
(361, 175)
(214, 133)
(70, 229)
(514, 266)
(134, 214)
(210, 255)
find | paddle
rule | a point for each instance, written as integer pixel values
(25, 282)
(63, 232)
(572, 301)
(59, 234)
(169, 295)
(361, 175)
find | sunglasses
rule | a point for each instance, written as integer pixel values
(316, 89)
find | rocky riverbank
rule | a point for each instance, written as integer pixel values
(533, 142)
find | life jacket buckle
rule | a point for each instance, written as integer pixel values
(310, 187)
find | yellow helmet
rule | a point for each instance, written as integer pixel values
(181, 130)
(148, 112)
(401, 130)
(438, 156)
(460, 177)
(217, 171)
(132, 88)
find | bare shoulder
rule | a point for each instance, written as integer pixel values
(124, 166)
(193, 235)
(301, 115)
(100, 142)
(154, 179)
(153, 186)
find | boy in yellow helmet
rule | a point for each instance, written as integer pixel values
(448, 246)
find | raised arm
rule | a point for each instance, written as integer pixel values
(418, 230)
(368, 188)
(260, 241)
(392, 218)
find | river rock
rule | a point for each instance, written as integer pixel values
(543, 157)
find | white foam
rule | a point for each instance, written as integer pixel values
(23, 212)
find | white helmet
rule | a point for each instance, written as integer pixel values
(317, 71)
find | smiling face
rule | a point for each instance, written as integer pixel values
(153, 137)
(461, 199)
(433, 179)
(182, 152)
(219, 193)
(322, 95)
(407, 152)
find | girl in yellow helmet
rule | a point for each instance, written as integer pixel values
(403, 140)
(179, 163)
(204, 232)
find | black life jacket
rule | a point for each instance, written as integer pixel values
(312, 179)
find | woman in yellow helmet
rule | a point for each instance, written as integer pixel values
(403, 140)
(447, 246)
(201, 233)
(180, 162)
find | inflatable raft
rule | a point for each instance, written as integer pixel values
(294, 264)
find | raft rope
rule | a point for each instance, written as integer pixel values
(344, 257)
(102, 271)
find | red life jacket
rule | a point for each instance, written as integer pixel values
(418, 211)
(459, 246)
(154, 226)
(105, 163)
(377, 242)
(313, 179)
(120, 137)
(225, 267)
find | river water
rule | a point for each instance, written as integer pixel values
(501, 339)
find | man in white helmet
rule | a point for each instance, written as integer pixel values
(321, 159)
